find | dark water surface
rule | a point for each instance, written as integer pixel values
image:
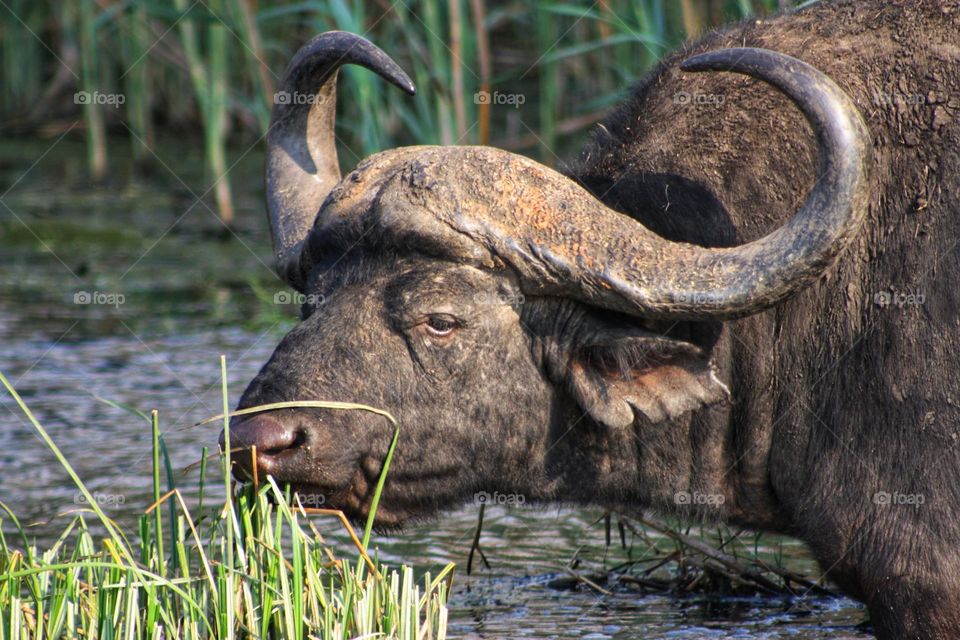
(168, 292)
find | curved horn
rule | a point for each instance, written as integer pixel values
(560, 240)
(492, 208)
(302, 164)
(738, 281)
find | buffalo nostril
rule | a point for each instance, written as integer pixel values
(297, 440)
(269, 435)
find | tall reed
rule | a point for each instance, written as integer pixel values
(212, 66)
(91, 90)
(251, 566)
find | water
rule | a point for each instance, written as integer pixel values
(169, 292)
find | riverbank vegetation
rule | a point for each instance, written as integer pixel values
(528, 76)
(239, 564)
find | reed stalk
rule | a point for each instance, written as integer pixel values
(90, 91)
(250, 566)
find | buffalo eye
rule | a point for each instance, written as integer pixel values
(440, 325)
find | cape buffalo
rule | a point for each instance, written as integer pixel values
(744, 291)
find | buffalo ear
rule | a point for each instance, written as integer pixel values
(625, 371)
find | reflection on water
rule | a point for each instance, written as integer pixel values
(188, 296)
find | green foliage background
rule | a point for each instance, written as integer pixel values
(210, 68)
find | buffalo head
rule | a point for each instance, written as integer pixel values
(494, 306)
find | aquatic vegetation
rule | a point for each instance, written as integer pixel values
(527, 75)
(250, 566)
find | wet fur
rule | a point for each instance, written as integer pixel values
(836, 397)
(801, 414)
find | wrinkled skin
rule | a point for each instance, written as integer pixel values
(798, 417)
(371, 324)
(524, 433)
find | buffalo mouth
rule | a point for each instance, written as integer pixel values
(286, 446)
(354, 502)
(316, 471)
(265, 447)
